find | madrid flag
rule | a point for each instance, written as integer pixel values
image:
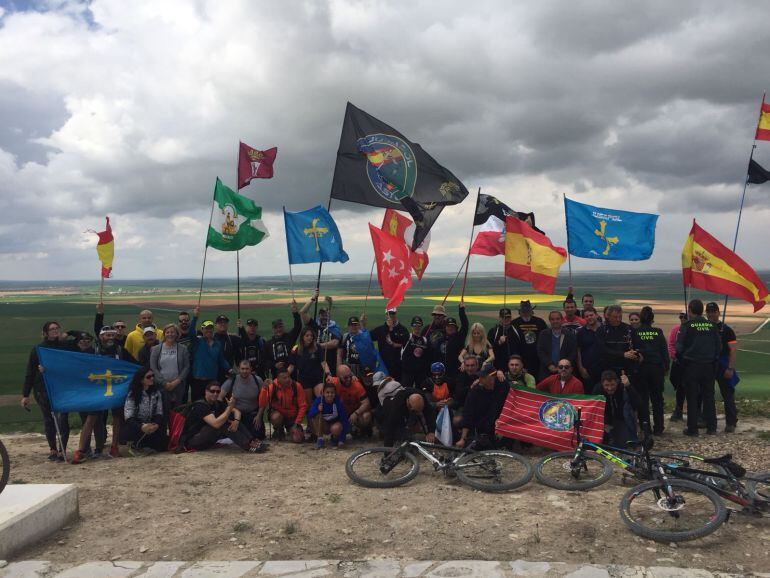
(402, 227)
(548, 420)
(530, 255)
(393, 271)
(708, 264)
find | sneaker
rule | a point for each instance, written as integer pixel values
(98, 456)
(729, 429)
(676, 416)
(693, 434)
(60, 457)
(319, 443)
(53, 456)
(115, 451)
(78, 457)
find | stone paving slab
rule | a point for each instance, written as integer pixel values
(376, 568)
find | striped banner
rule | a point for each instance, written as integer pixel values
(547, 420)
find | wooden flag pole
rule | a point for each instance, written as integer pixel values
(569, 253)
(206, 250)
(101, 291)
(470, 243)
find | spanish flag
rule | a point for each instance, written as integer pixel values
(708, 264)
(105, 248)
(530, 255)
(763, 126)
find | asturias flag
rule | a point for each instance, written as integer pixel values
(401, 227)
(530, 255)
(236, 221)
(254, 164)
(599, 233)
(393, 270)
(312, 237)
(105, 248)
(83, 381)
(708, 264)
(548, 420)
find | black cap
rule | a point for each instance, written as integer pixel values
(682, 315)
(277, 322)
(712, 306)
(417, 320)
(451, 321)
(504, 311)
(252, 322)
(353, 320)
(82, 335)
(222, 319)
(526, 306)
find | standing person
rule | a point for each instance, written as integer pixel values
(589, 361)
(252, 346)
(478, 345)
(675, 376)
(150, 335)
(278, 347)
(554, 344)
(436, 335)
(143, 430)
(528, 327)
(170, 362)
(232, 348)
(634, 320)
(505, 339)
(245, 388)
(135, 340)
(562, 382)
(572, 320)
(306, 362)
(482, 408)
(414, 356)
(287, 404)
(726, 377)
(33, 384)
(651, 344)
(616, 343)
(587, 301)
(183, 324)
(347, 352)
(207, 358)
(120, 329)
(391, 337)
(697, 347)
(327, 331)
(454, 343)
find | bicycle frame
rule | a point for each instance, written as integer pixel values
(736, 493)
(424, 447)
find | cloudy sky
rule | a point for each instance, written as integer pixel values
(131, 109)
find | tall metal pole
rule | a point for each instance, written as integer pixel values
(205, 251)
(470, 243)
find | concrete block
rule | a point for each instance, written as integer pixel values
(31, 512)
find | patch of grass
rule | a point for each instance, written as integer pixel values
(242, 526)
(764, 435)
(19, 481)
(290, 528)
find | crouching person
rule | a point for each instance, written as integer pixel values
(328, 418)
(143, 428)
(619, 424)
(287, 405)
(210, 420)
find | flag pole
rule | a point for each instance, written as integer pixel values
(369, 288)
(470, 243)
(291, 277)
(238, 282)
(101, 291)
(206, 250)
(455, 279)
(743, 195)
(320, 263)
(569, 253)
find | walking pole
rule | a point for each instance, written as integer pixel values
(206, 250)
(58, 435)
(470, 243)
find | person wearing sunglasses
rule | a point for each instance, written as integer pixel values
(562, 382)
(143, 428)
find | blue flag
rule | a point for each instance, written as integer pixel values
(312, 237)
(598, 233)
(368, 355)
(84, 381)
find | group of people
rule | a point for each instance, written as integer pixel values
(318, 383)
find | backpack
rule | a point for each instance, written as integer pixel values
(177, 419)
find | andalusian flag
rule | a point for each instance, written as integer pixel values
(236, 221)
(763, 126)
(530, 255)
(548, 420)
(105, 248)
(708, 264)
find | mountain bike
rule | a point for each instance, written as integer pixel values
(683, 503)
(589, 465)
(5, 467)
(486, 470)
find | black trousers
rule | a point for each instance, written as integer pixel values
(208, 436)
(131, 431)
(48, 421)
(698, 380)
(675, 377)
(728, 397)
(650, 380)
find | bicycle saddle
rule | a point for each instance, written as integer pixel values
(720, 460)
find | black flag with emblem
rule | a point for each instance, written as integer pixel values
(757, 173)
(378, 166)
(489, 206)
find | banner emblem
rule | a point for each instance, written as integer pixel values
(391, 165)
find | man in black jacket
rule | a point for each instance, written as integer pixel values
(414, 356)
(252, 346)
(454, 343)
(554, 344)
(505, 339)
(407, 412)
(232, 346)
(482, 408)
(278, 347)
(616, 343)
(528, 326)
(391, 337)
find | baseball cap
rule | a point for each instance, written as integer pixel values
(353, 320)
(712, 306)
(252, 322)
(526, 306)
(451, 321)
(149, 329)
(222, 319)
(378, 378)
(416, 320)
(487, 369)
(438, 310)
(277, 322)
(83, 336)
(107, 329)
(391, 310)
(682, 315)
(505, 312)
(207, 324)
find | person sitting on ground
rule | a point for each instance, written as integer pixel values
(436, 388)
(554, 344)
(170, 362)
(354, 398)
(516, 375)
(562, 382)
(618, 428)
(135, 340)
(210, 420)
(207, 357)
(405, 411)
(286, 400)
(482, 408)
(328, 418)
(143, 429)
(245, 387)
(478, 345)
(306, 363)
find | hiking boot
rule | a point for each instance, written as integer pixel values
(115, 451)
(676, 416)
(53, 456)
(78, 457)
(693, 434)
(320, 443)
(711, 432)
(729, 429)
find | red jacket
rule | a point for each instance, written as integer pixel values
(552, 384)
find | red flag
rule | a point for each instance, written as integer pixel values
(763, 125)
(254, 164)
(402, 227)
(105, 248)
(547, 420)
(530, 256)
(392, 256)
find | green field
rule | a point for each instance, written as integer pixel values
(21, 316)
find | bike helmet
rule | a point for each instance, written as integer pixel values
(437, 367)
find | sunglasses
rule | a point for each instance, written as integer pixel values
(564, 366)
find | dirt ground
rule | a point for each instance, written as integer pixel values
(297, 503)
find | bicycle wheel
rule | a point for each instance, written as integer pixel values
(5, 467)
(759, 486)
(692, 512)
(372, 467)
(493, 470)
(558, 471)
